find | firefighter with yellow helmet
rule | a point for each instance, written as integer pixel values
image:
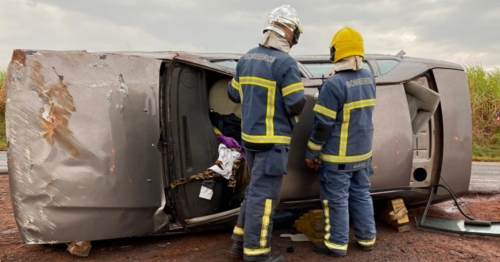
(268, 84)
(341, 146)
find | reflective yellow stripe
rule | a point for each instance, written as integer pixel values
(360, 104)
(235, 84)
(266, 218)
(345, 159)
(217, 131)
(253, 80)
(314, 146)
(344, 131)
(325, 111)
(296, 119)
(266, 139)
(271, 93)
(293, 88)
(256, 251)
(238, 231)
(367, 243)
(331, 245)
(326, 210)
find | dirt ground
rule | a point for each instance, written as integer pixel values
(416, 245)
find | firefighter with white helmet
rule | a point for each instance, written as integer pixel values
(341, 146)
(268, 84)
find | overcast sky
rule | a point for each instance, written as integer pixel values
(461, 31)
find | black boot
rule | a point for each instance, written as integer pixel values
(236, 249)
(365, 248)
(321, 248)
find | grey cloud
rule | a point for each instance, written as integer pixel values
(445, 29)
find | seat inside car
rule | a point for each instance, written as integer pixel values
(219, 101)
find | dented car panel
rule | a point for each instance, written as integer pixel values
(82, 131)
(95, 139)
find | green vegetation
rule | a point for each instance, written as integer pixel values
(485, 102)
(484, 89)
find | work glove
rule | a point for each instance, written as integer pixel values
(313, 163)
(312, 159)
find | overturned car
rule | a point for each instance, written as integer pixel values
(110, 145)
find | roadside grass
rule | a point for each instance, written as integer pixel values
(484, 87)
(486, 153)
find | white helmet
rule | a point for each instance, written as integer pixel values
(284, 20)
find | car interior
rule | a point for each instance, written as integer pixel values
(196, 95)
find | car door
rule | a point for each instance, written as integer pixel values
(82, 131)
(194, 147)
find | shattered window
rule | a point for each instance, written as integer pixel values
(384, 66)
(229, 63)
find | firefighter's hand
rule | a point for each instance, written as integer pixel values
(313, 163)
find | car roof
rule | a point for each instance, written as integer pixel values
(406, 69)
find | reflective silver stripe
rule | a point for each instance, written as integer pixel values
(325, 111)
(314, 146)
(256, 251)
(271, 97)
(266, 219)
(367, 243)
(331, 245)
(258, 81)
(293, 88)
(345, 159)
(326, 211)
(235, 84)
(344, 132)
(266, 139)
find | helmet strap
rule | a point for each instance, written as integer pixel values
(332, 53)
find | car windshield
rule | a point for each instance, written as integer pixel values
(227, 63)
(319, 70)
(384, 66)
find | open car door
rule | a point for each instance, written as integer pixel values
(82, 130)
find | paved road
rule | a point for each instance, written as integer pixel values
(485, 176)
(3, 162)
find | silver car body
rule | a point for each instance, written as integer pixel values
(94, 139)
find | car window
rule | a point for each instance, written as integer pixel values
(384, 66)
(232, 64)
(228, 63)
(323, 69)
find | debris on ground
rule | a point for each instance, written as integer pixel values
(396, 215)
(312, 224)
(79, 248)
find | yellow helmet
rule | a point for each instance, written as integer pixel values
(346, 42)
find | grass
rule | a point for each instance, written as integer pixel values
(484, 89)
(486, 152)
